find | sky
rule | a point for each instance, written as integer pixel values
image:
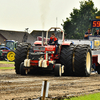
(36, 14)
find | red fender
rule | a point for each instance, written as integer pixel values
(66, 43)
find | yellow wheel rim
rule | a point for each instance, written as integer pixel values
(11, 56)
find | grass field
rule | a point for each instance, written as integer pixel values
(7, 67)
(6, 62)
(95, 96)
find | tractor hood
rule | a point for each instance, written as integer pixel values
(44, 48)
(50, 48)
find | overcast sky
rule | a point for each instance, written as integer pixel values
(36, 14)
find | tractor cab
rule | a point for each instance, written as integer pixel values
(11, 44)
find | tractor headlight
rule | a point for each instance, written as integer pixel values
(53, 52)
(50, 52)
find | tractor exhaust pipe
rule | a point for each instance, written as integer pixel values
(42, 37)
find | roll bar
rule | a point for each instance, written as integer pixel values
(55, 28)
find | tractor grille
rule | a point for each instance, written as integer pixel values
(39, 48)
(36, 56)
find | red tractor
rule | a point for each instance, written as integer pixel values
(41, 58)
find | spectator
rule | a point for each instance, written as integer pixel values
(87, 34)
(97, 33)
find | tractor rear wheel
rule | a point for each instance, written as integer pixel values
(82, 60)
(20, 56)
(66, 59)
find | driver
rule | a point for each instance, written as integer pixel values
(53, 40)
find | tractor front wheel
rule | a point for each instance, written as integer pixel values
(23, 71)
(58, 70)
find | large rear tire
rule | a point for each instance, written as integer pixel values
(82, 60)
(66, 59)
(20, 56)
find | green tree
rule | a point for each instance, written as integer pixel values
(80, 20)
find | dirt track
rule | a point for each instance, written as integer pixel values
(6, 65)
(19, 87)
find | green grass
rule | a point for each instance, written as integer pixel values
(6, 62)
(95, 96)
(7, 67)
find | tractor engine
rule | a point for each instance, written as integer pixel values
(41, 57)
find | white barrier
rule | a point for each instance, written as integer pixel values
(44, 90)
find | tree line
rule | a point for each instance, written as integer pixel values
(80, 20)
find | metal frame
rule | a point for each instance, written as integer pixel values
(54, 28)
